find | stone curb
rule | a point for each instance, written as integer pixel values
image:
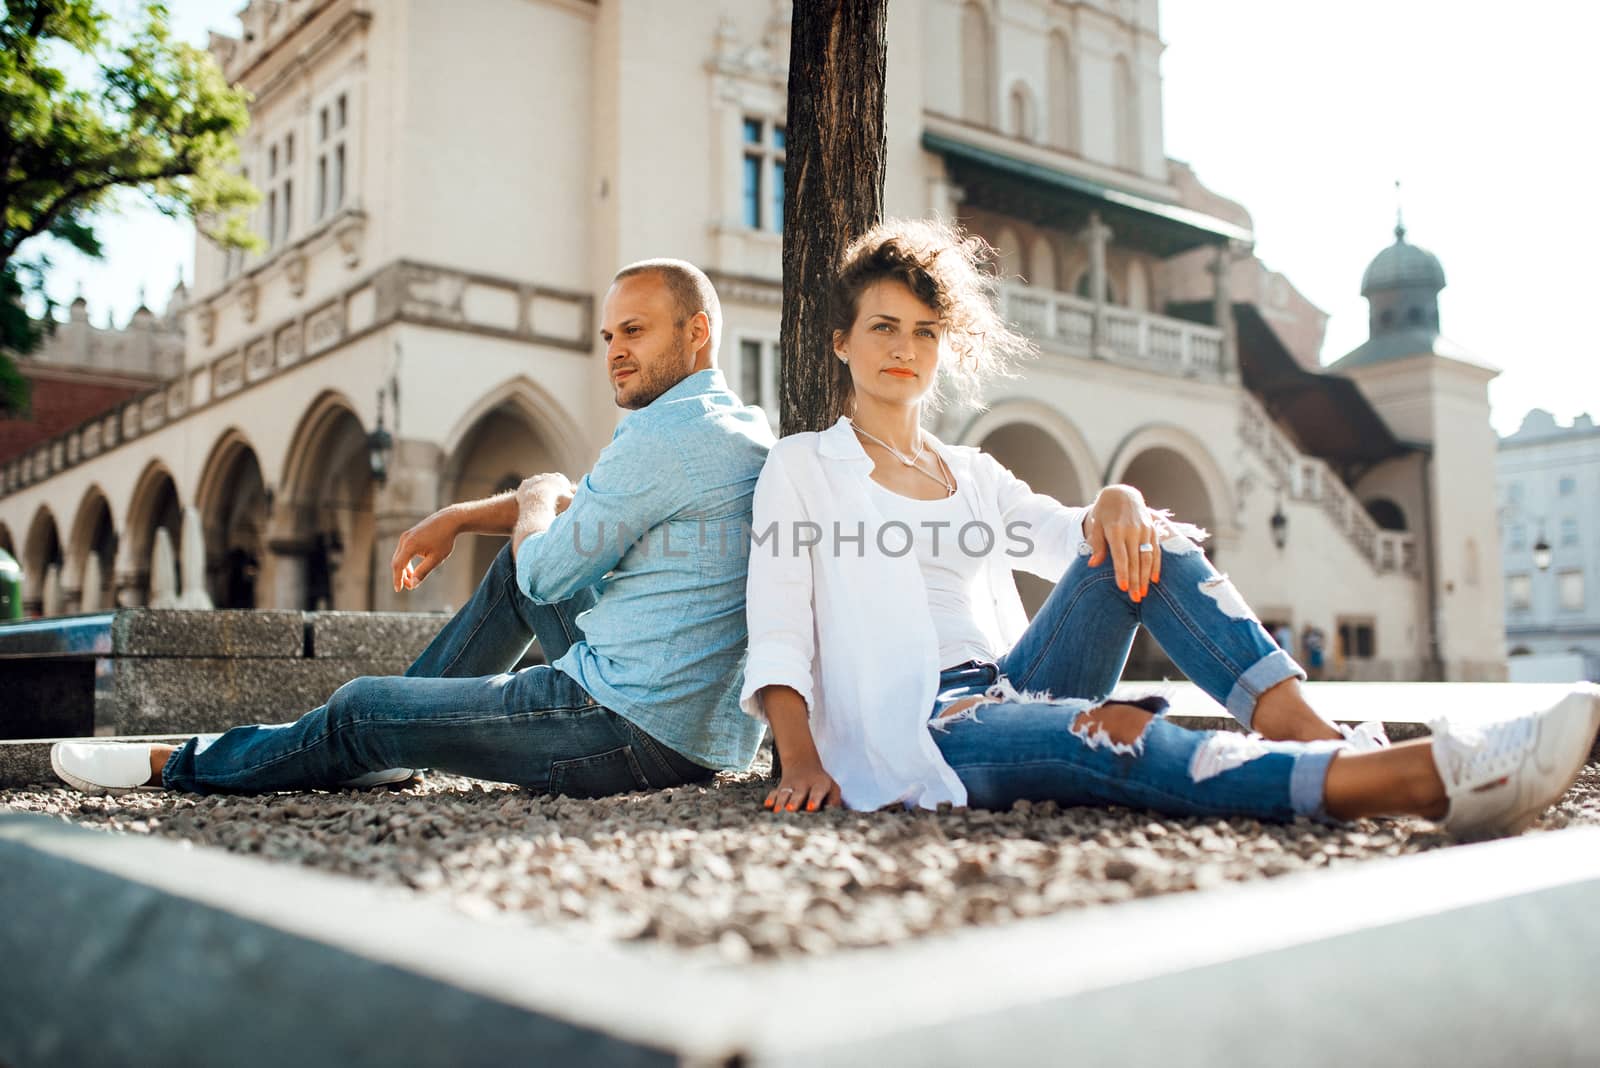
(1476, 955)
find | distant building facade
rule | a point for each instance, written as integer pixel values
(1547, 480)
(447, 190)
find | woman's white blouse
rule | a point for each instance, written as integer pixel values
(846, 623)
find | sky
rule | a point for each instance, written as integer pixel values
(1306, 112)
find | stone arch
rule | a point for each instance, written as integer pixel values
(1010, 259)
(977, 64)
(41, 550)
(1044, 449)
(1062, 109)
(1125, 97)
(1386, 513)
(1022, 114)
(1046, 272)
(7, 542)
(94, 533)
(535, 404)
(503, 445)
(1174, 469)
(235, 507)
(155, 504)
(324, 520)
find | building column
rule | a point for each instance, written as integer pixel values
(1222, 308)
(410, 495)
(1096, 235)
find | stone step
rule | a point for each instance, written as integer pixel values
(1473, 955)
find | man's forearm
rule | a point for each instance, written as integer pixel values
(492, 515)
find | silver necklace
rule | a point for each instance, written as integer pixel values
(949, 486)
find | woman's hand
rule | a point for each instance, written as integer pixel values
(1119, 522)
(808, 788)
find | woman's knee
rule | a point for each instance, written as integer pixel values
(1120, 727)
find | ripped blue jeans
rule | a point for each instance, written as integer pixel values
(1027, 742)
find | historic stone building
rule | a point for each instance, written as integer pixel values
(1548, 477)
(448, 189)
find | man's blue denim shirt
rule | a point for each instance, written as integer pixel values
(660, 529)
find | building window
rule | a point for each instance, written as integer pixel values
(1358, 639)
(1516, 536)
(1569, 531)
(765, 147)
(1519, 592)
(280, 190)
(1567, 486)
(1570, 585)
(333, 124)
(756, 376)
(1514, 493)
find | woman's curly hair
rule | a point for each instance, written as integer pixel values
(948, 270)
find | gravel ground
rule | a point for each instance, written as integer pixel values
(707, 870)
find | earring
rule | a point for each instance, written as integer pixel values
(844, 359)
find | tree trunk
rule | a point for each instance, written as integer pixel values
(833, 189)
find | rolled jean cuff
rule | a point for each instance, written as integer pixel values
(1308, 782)
(1262, 676)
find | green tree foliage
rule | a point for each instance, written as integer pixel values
(87, 110)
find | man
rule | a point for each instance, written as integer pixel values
(633, 583)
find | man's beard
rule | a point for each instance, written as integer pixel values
(661, 377)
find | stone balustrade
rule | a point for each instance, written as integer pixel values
(1062, 322)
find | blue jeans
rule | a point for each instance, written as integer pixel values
(459, 708)
(1070, 658)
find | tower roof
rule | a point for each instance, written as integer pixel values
(1401, 266)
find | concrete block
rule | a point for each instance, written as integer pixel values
(212, 694)
(46, 698)
(104, 967)
(1477, 955)
(160, 633)
(372, 635)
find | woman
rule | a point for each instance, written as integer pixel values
(891, 657)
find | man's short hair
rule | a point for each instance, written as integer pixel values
(691, 291)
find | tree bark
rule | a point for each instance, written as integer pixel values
(833, 188)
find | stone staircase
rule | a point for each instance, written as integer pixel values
(1305, 478)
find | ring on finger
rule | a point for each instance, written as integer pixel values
(1146, 547)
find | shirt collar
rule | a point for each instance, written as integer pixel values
(840, 442)
(693, 385)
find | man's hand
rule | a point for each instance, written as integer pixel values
(539, 500)
(423, 548)
(1118, 523)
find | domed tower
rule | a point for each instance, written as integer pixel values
(1434, 395)
(1402, 286)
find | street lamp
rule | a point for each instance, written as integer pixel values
(1280, 526)
(380, 446)
(1541, 553)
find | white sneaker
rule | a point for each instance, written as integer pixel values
(103, 767)
(387, 777)
(1366, 737)
(1500, 777)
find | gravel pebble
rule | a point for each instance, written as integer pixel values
(705, 868)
